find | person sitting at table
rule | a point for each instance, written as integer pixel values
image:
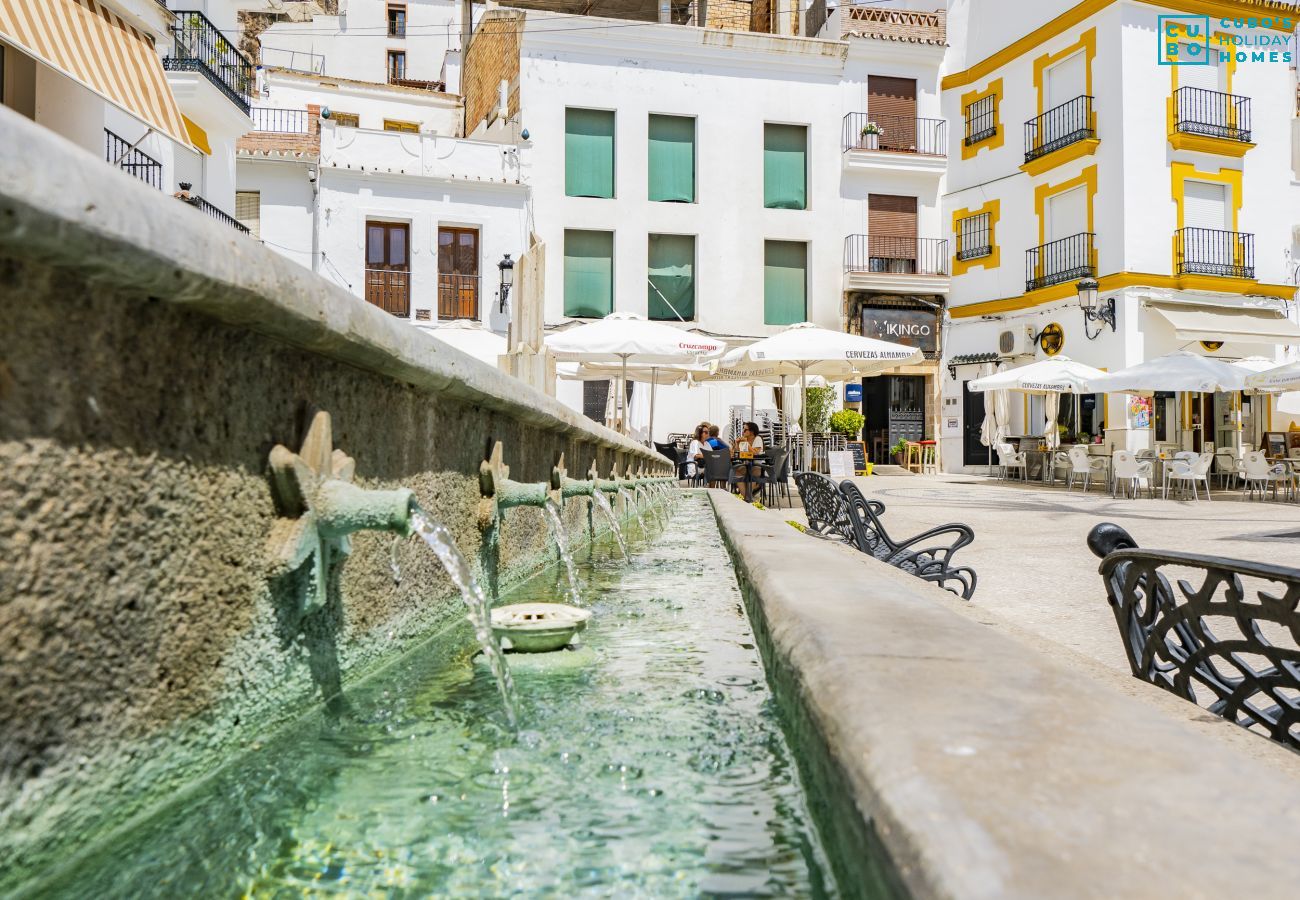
(695, 452)
(749, 446)
(714, 440)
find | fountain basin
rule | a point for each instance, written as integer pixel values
(538, 627)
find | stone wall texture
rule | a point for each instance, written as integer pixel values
(142, 386)
(492, 57)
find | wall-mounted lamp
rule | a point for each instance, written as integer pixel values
(507, 267)
(1094, 310)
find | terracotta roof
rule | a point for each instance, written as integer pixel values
(904, 26)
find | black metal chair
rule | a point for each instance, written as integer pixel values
(1245, 676)
(927, 555)
(826, 508)
(677, 455)
(718, 468)
(775, 476)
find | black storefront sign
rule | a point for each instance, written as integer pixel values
(910, 327)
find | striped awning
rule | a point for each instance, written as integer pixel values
(91, 44)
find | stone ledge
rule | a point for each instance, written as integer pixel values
(982, 767)
(65, 207)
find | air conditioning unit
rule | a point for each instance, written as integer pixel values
(1016, 342)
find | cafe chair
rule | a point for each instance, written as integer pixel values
(1084, 466)
(1259, 474)
(1009, 460)
(1130, 470)
(1194, 471)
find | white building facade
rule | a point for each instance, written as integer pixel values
(1078, 154)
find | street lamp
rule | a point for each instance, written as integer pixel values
(1095, 310)
(507, 267)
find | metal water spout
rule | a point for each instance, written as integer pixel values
(607, 485)
(573, 487)
(320, 507)
(500, 493)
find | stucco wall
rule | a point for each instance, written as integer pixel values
(150, 359)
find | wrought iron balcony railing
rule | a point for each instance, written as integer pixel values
(1058, 261)
(199, 203)
(457, 296)
(1207, 251)
(898, 134)
(1212, 113)
(981, 120)
(1067, 124)
(198, 46)
(120, 153)
(281, 121)
(895, 255)
(390, 290)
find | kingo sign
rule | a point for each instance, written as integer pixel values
(910, 327)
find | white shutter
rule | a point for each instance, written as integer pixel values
(1067, 214)
(1066, 80)
(1205, 77)
(1205, 205)
(248, 211)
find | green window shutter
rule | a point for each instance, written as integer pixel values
(785, 166)
(588, 273)
(588, 153)
(672, 277)
(785, 282)
(672, 159)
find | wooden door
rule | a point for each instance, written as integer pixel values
(891, 104)
(458, 276)
(388, 266)
(891, 233)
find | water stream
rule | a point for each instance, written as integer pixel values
(630, 502)
(439, 539)
(556, 525)
(602, 503)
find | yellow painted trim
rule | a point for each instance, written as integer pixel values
(994, 259)
(198, 137)
(1087, 44)
(1068, 153)
(1072, 17)
(994, 89)
(1119, 280)
(1203, 143)
(1086, 179)
(1183, 172)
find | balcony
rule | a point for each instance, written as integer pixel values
(1068, 259)
(1210, 121)
(281, 121)
(1206, 251)
(122, 155)
(390, 290)
(1071, 124)
(903, 264)
(199, 203)
(458, 296)
(198, 46)
(899, 142)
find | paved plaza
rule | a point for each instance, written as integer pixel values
(1039, 582)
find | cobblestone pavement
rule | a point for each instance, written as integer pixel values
(1039, 581)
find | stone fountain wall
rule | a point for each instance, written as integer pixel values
(150, 357)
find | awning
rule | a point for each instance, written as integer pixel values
(1252, 326)
(94, 46)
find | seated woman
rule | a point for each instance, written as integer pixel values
(749, 446)
(695, 452)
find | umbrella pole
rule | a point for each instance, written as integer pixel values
(622, 396)
(803, 417)
(751, 401)
(654, 383)
(785, 426)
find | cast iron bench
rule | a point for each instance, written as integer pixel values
(1239, 673)
(844, 512)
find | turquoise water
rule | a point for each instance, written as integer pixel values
(649, 763)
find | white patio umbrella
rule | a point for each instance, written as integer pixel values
(997, 412)
(1049, 377)
(1181, 371)
(805, 349)
(653, 375)
(773, 376)
(469, 337)
(1276, 378)
(624, 337)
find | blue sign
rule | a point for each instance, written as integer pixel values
(853, 392)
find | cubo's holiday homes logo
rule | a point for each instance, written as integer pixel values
(1202, 41)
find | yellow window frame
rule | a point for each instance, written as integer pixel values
(1088, 179)
(401, 126)
(998, 138)
(993, 209)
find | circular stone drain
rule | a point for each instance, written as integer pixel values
(538, 627)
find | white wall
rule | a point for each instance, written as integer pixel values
(287, 204)
(435, 112)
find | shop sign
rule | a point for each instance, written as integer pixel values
(853, 392)
(910, 327)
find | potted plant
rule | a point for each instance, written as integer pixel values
(898, 450)
(848, 421)
(871, 133)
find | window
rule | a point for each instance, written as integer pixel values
(388, 267)
(588, 153)
(346, 119)
(671, 277)
(974, 237)
(891, 104)
(588, 273)
(785, 166)
(982, 119)
(396, 65)
(785, 282)
(458, 279)
(672, 159)
(405, 127)
(396, 20)
(248, 211)
(891, 234)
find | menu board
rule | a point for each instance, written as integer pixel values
(841, 463)
(859, 451)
